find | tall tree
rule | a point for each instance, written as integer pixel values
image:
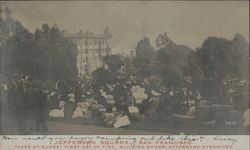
(174, 63)
(46, 55)
(146, 58)
(222, 59)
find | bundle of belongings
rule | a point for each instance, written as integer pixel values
(70, 109)
(133, 109)
(134, 114)
(58, 113)
(115, 120)
(121, 120)
(81, 110)
(85, 109)
(139, 94)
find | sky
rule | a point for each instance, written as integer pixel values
(186, 22)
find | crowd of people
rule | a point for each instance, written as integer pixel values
(33, 99)
(23, 100)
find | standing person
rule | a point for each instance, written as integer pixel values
(62, 91)
(119, 97)
(78, 92)
(153, 103)
(21, 107)
(69, 106)
(40, 107)
(130, 101)
(11, 97)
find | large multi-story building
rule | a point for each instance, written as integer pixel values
(92, 48)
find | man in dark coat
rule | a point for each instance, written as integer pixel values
(118, 96)
(21, 107)
(40, 107)
(78, 92)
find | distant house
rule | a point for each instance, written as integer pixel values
(92, 48)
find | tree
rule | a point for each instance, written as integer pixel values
(174, 63)
(114, 62)
(146, 58)
(194, 70)
(45, 55)
(239, 57)
(222, 59)
(130, 69)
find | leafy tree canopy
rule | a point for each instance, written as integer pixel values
(44, 55)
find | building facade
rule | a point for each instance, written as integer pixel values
(92, 48)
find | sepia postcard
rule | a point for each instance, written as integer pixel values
(158, 75)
